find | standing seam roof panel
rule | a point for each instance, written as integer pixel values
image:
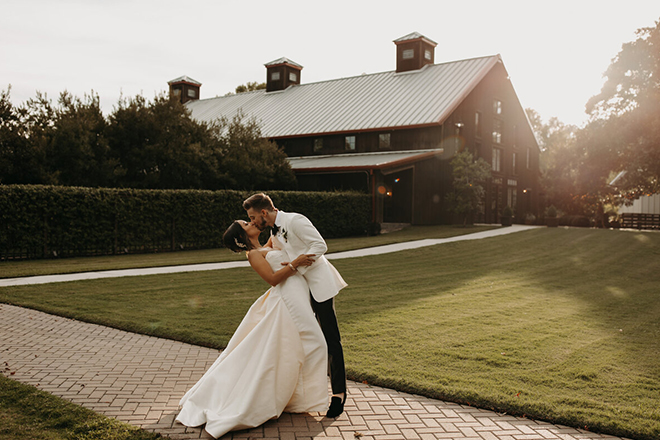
(367, 102)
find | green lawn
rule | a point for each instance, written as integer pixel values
(558, 324)
(13, 269)
(27, 413)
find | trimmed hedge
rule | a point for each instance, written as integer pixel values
(52, 221)
(575, 220)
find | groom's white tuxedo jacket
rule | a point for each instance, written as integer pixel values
(297, 235)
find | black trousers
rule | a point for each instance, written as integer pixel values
(325, 314)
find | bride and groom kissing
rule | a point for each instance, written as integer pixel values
(277, 360)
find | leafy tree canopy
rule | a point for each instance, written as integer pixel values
(468, 189)
(250, 86)
(255, 162)
(141, 144)
(625, 116)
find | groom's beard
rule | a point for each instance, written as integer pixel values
(261, 224)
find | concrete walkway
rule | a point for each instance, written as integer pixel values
(139, 379)
(233, 264)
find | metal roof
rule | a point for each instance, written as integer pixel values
(185, 78)
(283, 60)
(415, 36)
(379, 101)
(360, 161)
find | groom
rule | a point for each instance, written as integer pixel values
(296, 235)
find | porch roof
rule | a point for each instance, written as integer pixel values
(360, 161)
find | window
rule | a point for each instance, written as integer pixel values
(192, 93)
(349, 143)
(408, 54)
(384, 140)
(514, 158)
(497, 159)
(477, 124)
(176, 92)
(497, 107)
(497, 131)
(529, 159)
(318, 144)
(514, 138)
(275, 76)
(512, 197)
(293, 77)
(427, 54)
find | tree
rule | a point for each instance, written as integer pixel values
(142, 144)
(78, 150)
(158, 145)
(468, 191)
(559, 162)
(25, 138)
(13, 146)
(625, 116)
(252, 162)
(250, 86)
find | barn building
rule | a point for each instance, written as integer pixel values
(393, 134)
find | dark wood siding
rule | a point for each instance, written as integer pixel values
(432, 178)
(432, 181)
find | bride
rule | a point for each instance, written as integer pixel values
(276, 360)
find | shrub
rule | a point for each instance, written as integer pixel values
(49, 221)
(574, 220)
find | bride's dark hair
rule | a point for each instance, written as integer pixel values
(236, 239)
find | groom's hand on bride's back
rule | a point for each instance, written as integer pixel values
(302, 260)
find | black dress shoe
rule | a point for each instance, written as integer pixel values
(336, 407)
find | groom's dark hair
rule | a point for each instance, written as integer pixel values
(258, 202)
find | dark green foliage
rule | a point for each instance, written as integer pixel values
(141, 144)
(574, 220)
(50, 221)
(334, 214)
(250, 86)
(252, 162)
(468, 191)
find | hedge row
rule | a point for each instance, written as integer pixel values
(51, 221)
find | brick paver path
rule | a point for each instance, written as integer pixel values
(140, 379)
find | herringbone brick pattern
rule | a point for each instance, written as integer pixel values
(140, 379)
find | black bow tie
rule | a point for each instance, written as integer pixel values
(276, 229)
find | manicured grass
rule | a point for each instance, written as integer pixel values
(556, 324)
(27, 413)
(13, 269)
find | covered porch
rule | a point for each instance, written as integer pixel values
(394, 179)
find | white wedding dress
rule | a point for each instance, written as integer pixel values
(276, 361)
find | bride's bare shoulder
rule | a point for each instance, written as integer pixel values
(258, 253)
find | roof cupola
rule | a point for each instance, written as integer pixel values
(184, 88)
(413, 52)
(282, 73)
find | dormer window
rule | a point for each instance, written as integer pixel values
(281, 74)
(184, 89)
(413, 52)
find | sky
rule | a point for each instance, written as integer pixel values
(555, 52)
